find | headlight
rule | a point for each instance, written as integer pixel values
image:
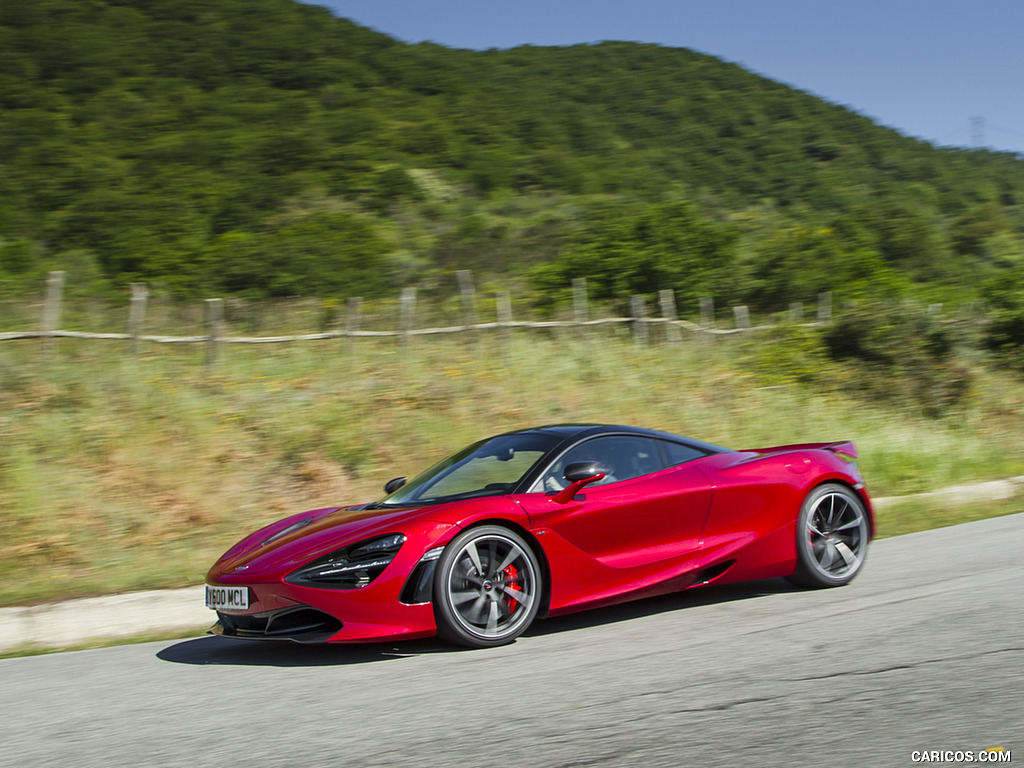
(351, 567)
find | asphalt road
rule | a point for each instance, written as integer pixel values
(924, 651)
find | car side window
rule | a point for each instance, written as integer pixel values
(624, 456)
(677, 453)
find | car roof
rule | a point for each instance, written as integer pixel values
(575, 432)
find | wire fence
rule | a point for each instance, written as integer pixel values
(351, 323)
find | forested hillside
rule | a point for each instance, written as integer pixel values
(266, 148)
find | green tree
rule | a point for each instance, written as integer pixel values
(643, 250)
(320, 254)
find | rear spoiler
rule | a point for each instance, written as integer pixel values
(844, 448)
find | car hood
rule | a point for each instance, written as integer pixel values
(293, 541)
(326, 530)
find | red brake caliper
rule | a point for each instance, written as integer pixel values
(512, 576)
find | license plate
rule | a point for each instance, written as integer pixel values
(227, 598)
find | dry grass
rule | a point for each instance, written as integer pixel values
(918, 514)
(119, 473)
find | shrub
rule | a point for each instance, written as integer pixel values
(900, 353)
(1005, 332)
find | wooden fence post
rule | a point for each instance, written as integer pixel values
(742, 316)
(667, 298)
(407, 305)
(355, 308)
(707, 317)
(214, 316)
(638, 310)
(825, 307)
(52, 307)
(467, 293)
(503, 310)
(137, 314)
(580, 310)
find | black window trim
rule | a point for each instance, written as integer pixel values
(662, 455)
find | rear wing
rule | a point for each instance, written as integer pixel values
(844, 448)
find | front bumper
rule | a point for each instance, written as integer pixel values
(395, 605)
(299, 623)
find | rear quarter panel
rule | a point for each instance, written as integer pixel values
(756, 503)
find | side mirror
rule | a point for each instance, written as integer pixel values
(578, 474)
(393, 485)
(585, 470)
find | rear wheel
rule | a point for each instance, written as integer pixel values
(832, 537)
(487, 587)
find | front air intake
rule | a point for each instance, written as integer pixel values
(299, 623)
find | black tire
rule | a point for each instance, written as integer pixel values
(487, 587)
(831, 537)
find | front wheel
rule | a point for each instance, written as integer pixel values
(832, 537)
(487, 587)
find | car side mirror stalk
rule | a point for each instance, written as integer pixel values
(579, 474)
(394, 484)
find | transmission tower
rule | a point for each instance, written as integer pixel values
(978, 132)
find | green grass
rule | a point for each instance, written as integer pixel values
(913, 514)
(101, 642)
(119, 473)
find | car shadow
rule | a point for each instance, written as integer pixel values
(227, 651)
(691, 598)
(283, 653)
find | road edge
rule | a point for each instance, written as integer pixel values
(111, 618)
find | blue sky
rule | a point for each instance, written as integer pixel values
(928, 68)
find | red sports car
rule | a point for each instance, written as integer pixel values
(541, 522)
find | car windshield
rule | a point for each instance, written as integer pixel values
(488, 468)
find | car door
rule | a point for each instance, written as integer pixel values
(641, 521)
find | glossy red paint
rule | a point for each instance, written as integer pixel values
(375, 611)
(724, 517)
(622, 538)
(567, 494)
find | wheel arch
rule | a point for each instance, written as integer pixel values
(857, 489)
(809, 572)
(538, 551)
